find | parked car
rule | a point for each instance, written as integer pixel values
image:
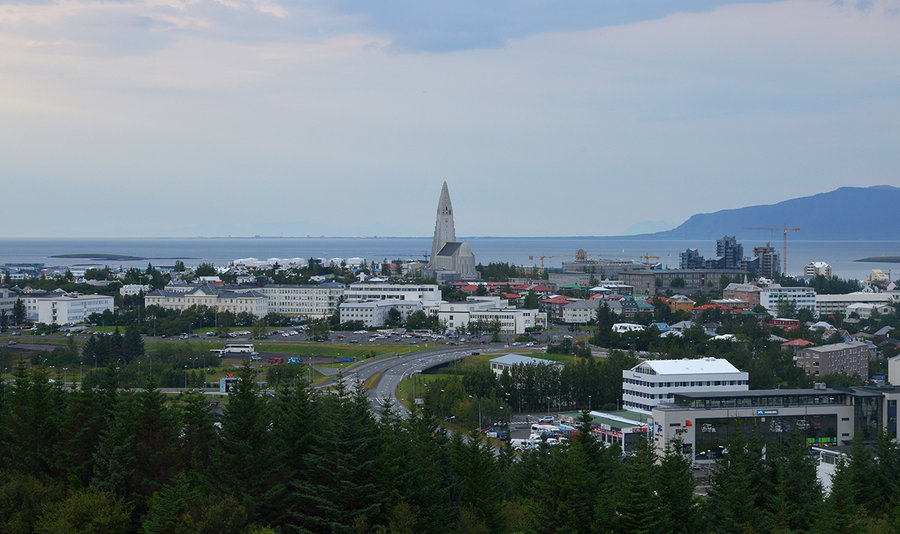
(546, 420)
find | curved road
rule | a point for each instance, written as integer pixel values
(396, 369)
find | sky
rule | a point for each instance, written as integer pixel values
(130, 118)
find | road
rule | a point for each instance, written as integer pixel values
(396, 369)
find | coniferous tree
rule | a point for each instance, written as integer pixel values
(82, 426)
(797, 496)
(476, 470)
(168, 508)
(132, 343)
(886, 482)
(34, 422)
(114, 459)
(245, 462)
(415, 469)
(154, 445)
(680, 514)
(736, 495)
(340, 494)
(640, 510)
(198, 435)
(840, 512)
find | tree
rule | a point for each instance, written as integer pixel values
(394, 317)
(205, 269)
(640, 509)
(737, 488)
(787, 308)
(531, 300)
(132, 343)
(676, 491)
(179, 266)
(476, 470)
(339, 492)
(18, 312)
(795, 503)
(245, 460)
(85, 511)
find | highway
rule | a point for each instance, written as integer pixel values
(396, 369)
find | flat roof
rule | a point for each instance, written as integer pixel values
(687, 366)
(513, 359)
(618, 418)
(857, 391)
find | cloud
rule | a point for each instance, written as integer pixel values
(189, 114)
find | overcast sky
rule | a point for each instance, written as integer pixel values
(276, 117)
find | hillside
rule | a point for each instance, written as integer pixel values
(845, 213)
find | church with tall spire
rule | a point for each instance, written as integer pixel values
(450, 259)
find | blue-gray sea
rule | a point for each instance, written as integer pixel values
(517, 250)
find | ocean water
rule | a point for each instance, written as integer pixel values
(517, 250)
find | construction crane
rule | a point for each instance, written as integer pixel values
(582, 255)
(785, 229)
(647, 258)
(542, 256)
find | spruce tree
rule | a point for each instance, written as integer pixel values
(82, 426)
(736, 495)
(340, 494)
(114, 459)
(33, 429)
(245, 461)
(415, 469)
(675, 488)
(797, 498)
(640, 510)
(476, 470)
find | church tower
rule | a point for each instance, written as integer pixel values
(444, 228)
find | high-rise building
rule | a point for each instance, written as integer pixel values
(817, 268)
(730, 252)
(691, 259)
(768, 260)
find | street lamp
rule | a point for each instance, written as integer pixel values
(117, 376)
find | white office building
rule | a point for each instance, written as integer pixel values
(802, 297)
(374, 314)
(72, 308)
(387, 291)
(308, 300)
(7, 301)
(512, 320)
(654, 382)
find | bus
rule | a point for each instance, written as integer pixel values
(235, 348)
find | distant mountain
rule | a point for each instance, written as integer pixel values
(845, 213)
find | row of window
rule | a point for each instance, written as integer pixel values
(694, 383)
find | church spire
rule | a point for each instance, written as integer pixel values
(444, 227)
